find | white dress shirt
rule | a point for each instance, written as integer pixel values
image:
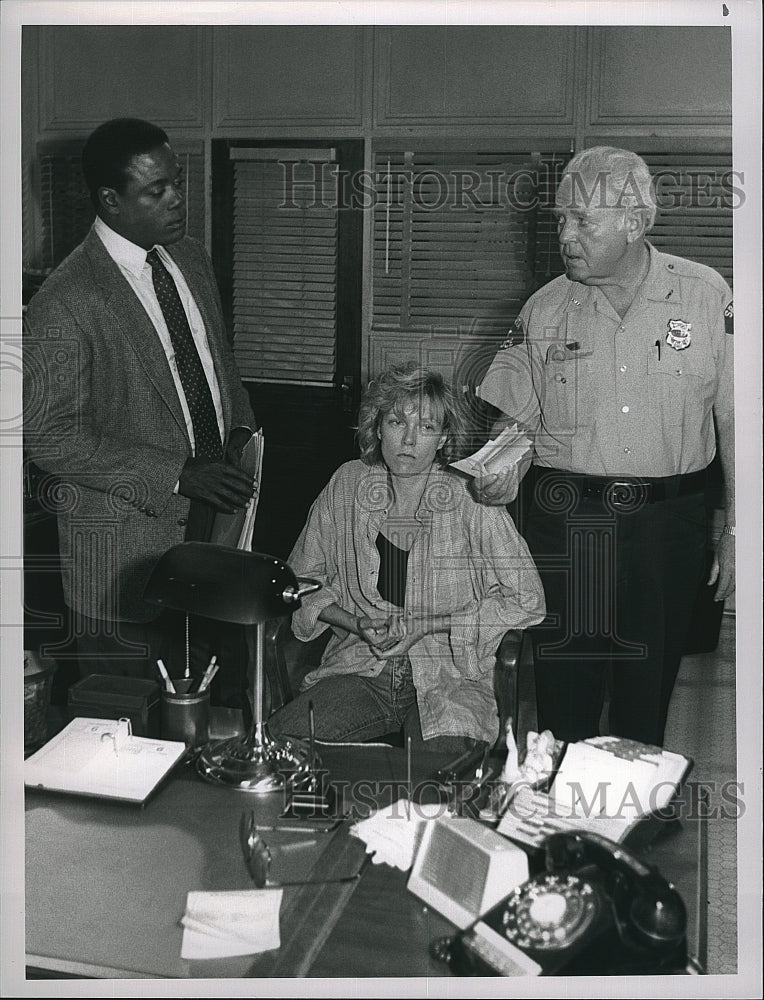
(131, 260)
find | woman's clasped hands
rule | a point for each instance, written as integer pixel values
(391, 636)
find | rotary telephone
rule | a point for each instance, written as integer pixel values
(596, 910)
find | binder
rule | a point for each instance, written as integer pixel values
(237, 529)
(609, 785)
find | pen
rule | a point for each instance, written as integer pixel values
(209, 676)
(209, 673)
(658, 348)
(297, 845)
(187, 671)
(311, 738)
(169, 686)
(285, 828)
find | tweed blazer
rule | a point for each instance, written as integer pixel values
(102, 413)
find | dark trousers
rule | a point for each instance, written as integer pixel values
(620, 586)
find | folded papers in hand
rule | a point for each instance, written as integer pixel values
(392, 834)
(224, 924)
(497, 455)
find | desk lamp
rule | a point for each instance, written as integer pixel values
(245, 588)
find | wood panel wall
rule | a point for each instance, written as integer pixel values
(484, 83)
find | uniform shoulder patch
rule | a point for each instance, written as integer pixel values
(515, 336)
(729, 319)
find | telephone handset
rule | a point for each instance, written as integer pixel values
(595, 910)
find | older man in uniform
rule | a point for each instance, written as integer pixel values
(618, 370)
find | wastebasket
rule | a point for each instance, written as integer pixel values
(38, 681)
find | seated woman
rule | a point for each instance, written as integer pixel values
(419, 582)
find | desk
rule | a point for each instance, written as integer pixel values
(106, 883)
(384, 930)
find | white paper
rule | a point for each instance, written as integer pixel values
(593, 782)
(224, 924)
(497, 455)
(392, 834)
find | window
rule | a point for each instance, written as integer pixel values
(696, 193)
(461, 238)
(285, 254)
(696, 190)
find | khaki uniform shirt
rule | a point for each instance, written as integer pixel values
(466, 560)
(631, 396)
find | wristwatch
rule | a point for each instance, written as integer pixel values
(728, 529)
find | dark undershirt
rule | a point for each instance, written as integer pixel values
(393, 565)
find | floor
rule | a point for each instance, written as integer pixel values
(701, 725)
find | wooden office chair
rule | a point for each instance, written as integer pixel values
(288, 660)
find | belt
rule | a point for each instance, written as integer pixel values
(626, 490)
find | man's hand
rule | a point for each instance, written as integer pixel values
(237, 440)
(500, 488)
(220, 484)
(723, 568)
(496, 489)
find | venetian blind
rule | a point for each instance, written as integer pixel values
(461, 238)
(67, 212)
(696, 194)
(285, 246)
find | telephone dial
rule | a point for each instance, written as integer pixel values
(595, 910)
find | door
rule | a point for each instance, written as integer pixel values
(287, 251)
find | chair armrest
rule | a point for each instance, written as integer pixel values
(508, 653)
(289, 660)
(506, 682)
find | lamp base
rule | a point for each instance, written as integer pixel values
(254, 763)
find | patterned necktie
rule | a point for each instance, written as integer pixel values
(192, 377)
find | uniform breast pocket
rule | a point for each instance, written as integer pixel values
(680, 375)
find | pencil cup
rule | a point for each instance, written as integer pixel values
(186, 717)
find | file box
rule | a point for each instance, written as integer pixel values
(103, 696)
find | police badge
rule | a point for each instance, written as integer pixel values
(679, 334)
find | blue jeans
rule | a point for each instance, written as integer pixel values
(353, 709)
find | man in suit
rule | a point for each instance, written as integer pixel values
(132, 400)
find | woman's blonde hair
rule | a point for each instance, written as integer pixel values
(393, 391)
